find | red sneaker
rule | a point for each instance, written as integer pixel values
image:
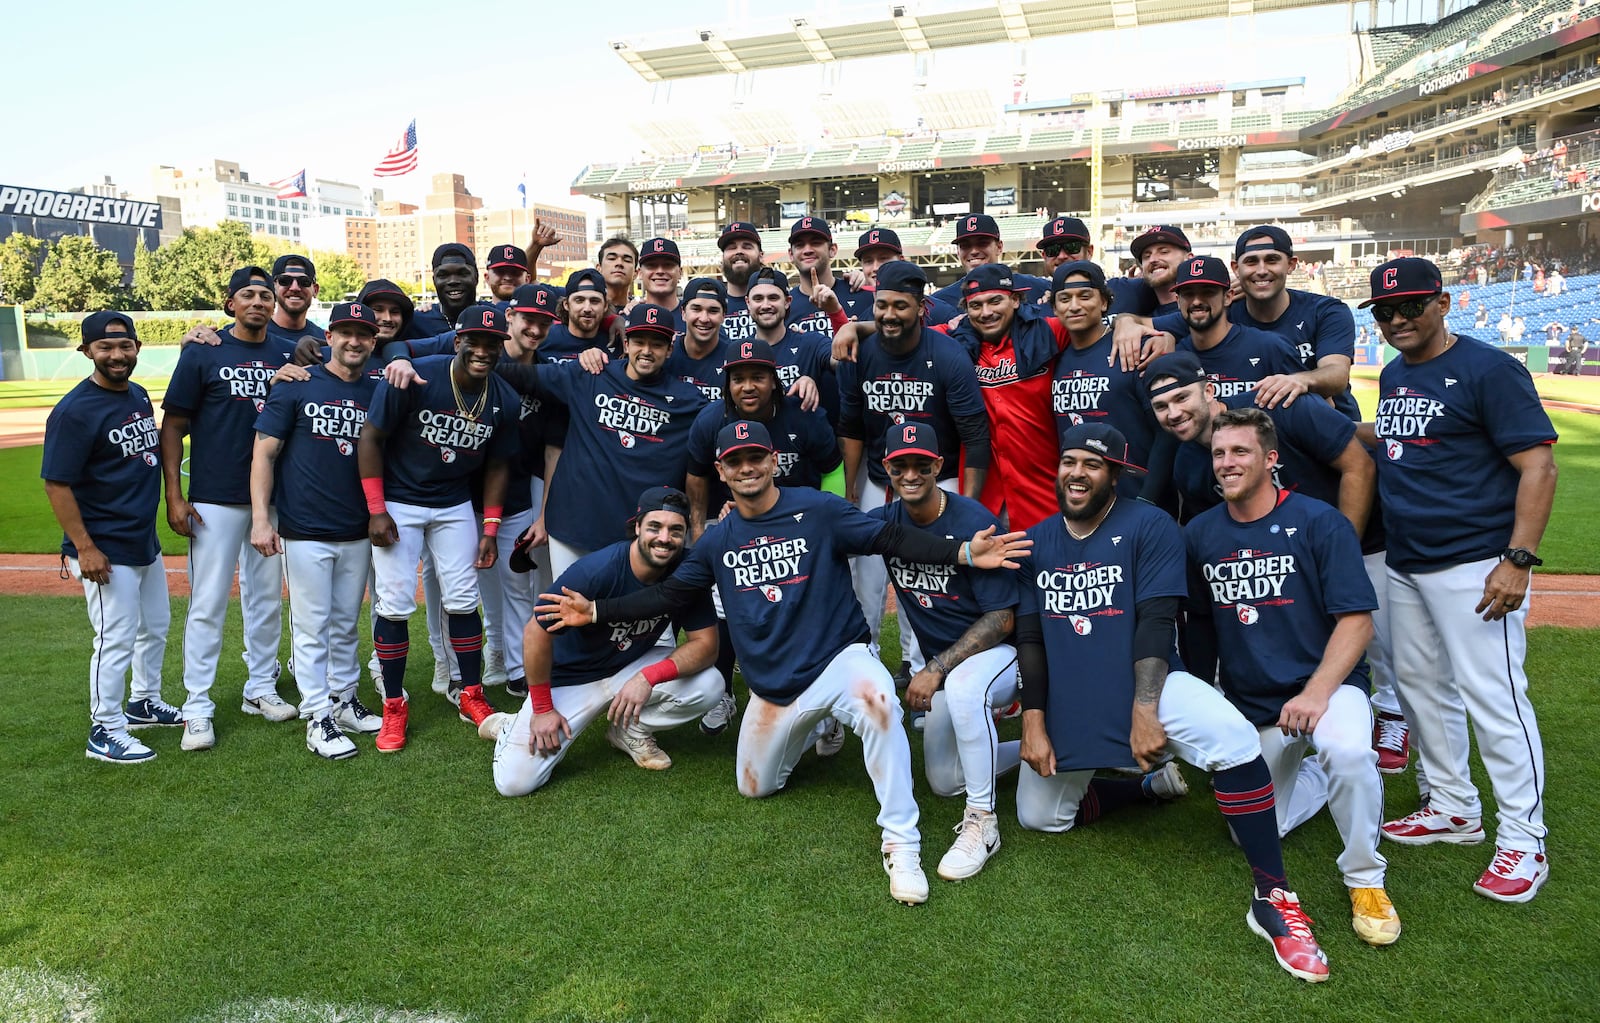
(474, 708)
(392, 734)
(1392, 739)
(1280, 920)
(1513, 876)
(1006, 713)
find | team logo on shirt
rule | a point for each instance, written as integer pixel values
(137, 435)
(1403, 418)
(1249, 575)
(772, 593)
(1081, 625)
(630, 417)
(1085, 586)
(1078, 391)
(1002, 372)
(896, 392)
(1394, 449)
(447, 455)
(625, 634)
(149, 458)
(625, 438)
(1248, 615)
(767, 559)
(248, 381)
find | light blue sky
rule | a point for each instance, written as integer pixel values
(499, 89)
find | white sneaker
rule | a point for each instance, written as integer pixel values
(375, 669)
(831, 741)
(272, 707)
(977, 839)
(491, 726)
(327, 740)
(197, 734)
(907, 882)
(441, 677)
(719, 717)
(640, 745)
(1165, 782)
(353, 716)
(494, 667)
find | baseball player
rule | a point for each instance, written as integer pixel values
(214, 397)
(803, 357)
(878, 246)
(1468, 478)
(1277, 576)
(818, 295)
(584, 307)
(740, 244)
(633, 671)
(455, 281)
(1238, 358)
(618, 263)
(418, 450)
(507, 270)
(978, 242)
(780, 562)
(294, 285)
(102, 470)
(1066, 240)
(1160, 250)
(700, 349)
(1102, 687)
(304, 466)
(660, 270)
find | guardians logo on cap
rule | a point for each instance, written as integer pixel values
(454, 250)
(738, 229)
(979, 225)
(507, 256)
(1159, 233)
(911, 439)
(1202, 270)
(651, 319)
(659, 248)
(1406, 277)
(879, 238)
(482, 319)
(1064, 229)
(752, 352)
(535, 300)
(347, 314)
(810, 225)
(740, 435)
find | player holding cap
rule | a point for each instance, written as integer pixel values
(700, 349)
(780, 562)
(507, 270)
(1277, 577)
(1102, 686)
(1468, 479)
(978, 242)
(304, 464)
(632, 671)
(214, 398)
(740, 244)
(102, 473)
(418, 450)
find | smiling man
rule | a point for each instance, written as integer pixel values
(455, 282)
(977, 243)
(294, 281)
(740, 244)
(700, 350)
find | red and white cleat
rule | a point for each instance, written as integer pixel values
(1280, 920)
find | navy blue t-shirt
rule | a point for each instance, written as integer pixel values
(623, 436)
(593, 652)
(806, 447)
(705, 373)
(105, 445)
(805, 318)
(931, 385)
(1131, 295)
(1273, 588)
(1244, 358)
(311, 330)
(1088, 390)
(737, 324)
(561, 345)
(318, 483)
(222, 389)
(1446, 427)
(942, 601)
(429, 323)
(432, 449)
(1085, 593)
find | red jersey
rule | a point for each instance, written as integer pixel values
(1022, 434)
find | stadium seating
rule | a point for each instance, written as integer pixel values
(1053, 138)
(1005, 143)
(958, 147)
(1579, 302)
(1250, 122)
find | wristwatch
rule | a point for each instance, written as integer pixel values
(1521, 557)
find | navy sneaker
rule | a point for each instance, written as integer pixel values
(116, 749)
(152, 712)
(517, 687)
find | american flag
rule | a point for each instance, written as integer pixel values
(402, 159)
(293, 186)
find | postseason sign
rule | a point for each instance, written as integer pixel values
(91, 209)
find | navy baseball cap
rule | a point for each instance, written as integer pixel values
(384, 288)
(810, 225)
(912, 439)
(1159, 233)
(981, 280)
(899, 275)
(750, 352)
(283, 264)
(482, 319)
(1203, 270)
(1406, 277)
(661, 498)
(587, 279)
(534, 299)
(742, 434)
(768, 275)
(738, 229)
(1065, 229)
(454, 250)
(648, 318)
(245, 276)
(659, 248)
(1078, 268)
(706, 287)
(95, 326)
(1268, 237)
(508, 255)
(1101, 439)
(1183, 368)
(353, 313)
(879, 238)
(979, 225)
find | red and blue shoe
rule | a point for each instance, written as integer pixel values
(1279, 918)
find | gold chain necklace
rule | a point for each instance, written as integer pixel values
(1090, 532)
(461, 406)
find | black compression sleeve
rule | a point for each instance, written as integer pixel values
(1154, 628)
(522, 376)
(851, 426)
(974, 433)
(1032, 662)
(1157, 486)
(669, 595)
(916, 545)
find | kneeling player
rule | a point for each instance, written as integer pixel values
(628, 670)
(1101, 687)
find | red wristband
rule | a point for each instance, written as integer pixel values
(659, 672)
(838, 318)
(372, 486)
(491, 520)
(539, 696)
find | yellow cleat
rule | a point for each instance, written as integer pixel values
(1373, 916)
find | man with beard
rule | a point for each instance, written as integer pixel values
(700, 349)
(779, 561)
(102, 473)
(617, 261)
(584, 308)
(1237, 358)
(818, 295)
(803, 358)
(507, 271)
(978, 243)
(294, 280)
(1102, 686)
(455, 281)
(1160, 251)
(1066, 240)
(740, 243)
(631, 671)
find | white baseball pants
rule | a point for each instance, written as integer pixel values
(1449, 664)
(508, 597)
(961, 750)
(870, 576)
(130, 614)
(216, 549)
(518, 770)
(449, 537)
(326, 581)
(1203, 729)
(857, 690)
(1380, 652)
(562, 555)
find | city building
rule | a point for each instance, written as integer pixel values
(102, 211)
(221, 191)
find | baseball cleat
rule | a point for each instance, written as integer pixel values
(326, 739)
(491, 726)
(198, 734)
(1391, 737)
(1279, 918)
(392, 735)
(272, 707)
(474, 708)
(1428, 826)
(640, 745)
(719, 717)
(110, 748)
(441, 676)
(152, 712)
(977, 839)
(1373, 916)
(494, 667)
(830, 739)
(1164, 783)
(907, 883)
(353, 716)
(1009, 711)
(517, 687)
(1513, 876)
(902, 676)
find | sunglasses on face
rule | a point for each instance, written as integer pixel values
(1410, 309)
(1057, 248)
(294, 281)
